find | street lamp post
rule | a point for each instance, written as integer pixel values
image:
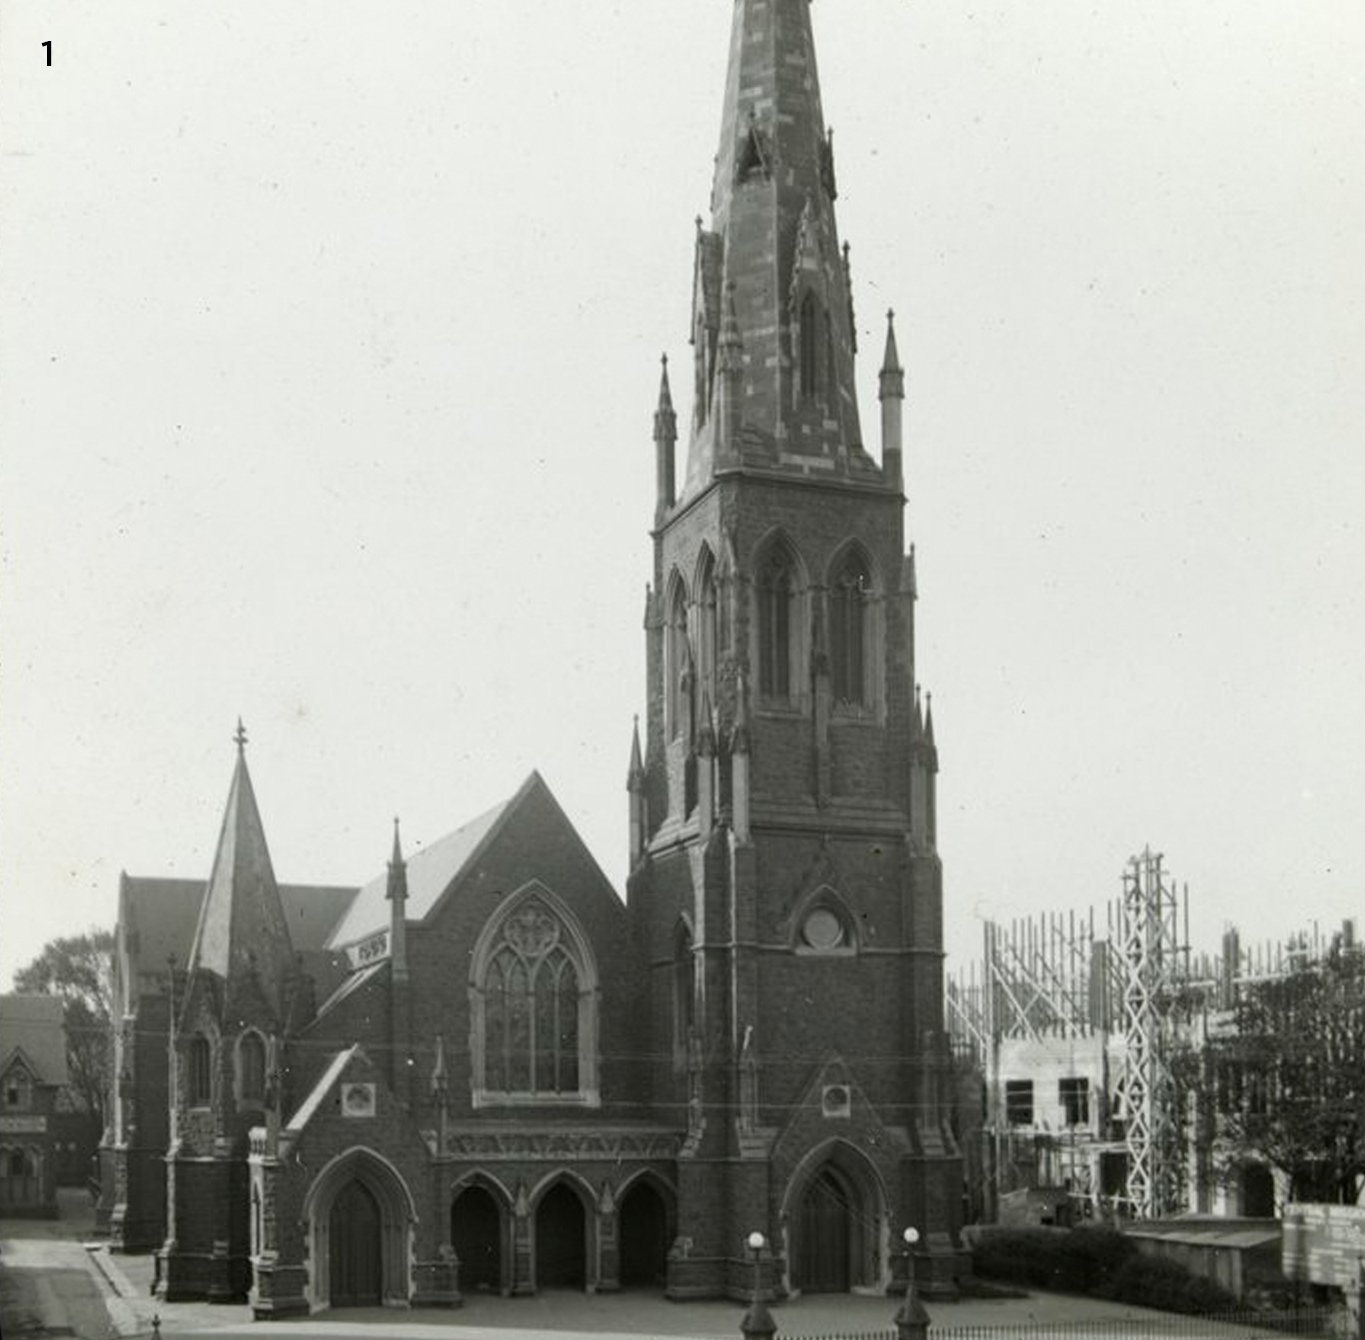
(757, 1323)
(912, 1321)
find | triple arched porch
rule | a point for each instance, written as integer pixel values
(561, 1233)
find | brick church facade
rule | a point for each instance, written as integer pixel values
(484, 1069)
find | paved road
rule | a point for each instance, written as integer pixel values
(47, 1288)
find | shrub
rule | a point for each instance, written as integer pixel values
(1075, 1260)
(1154, 1281)
(1093, 1260)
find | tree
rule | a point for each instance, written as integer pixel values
(79, 969)
(1291, 1077)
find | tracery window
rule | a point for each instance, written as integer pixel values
(535, 1008)
(849, 631)
(776, 597)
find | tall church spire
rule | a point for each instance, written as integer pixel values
(773, 243)
(242, 931)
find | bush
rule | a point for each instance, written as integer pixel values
(1093, 1260)
(1074, 1260)
(1154, 1281)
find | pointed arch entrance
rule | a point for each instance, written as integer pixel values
(476, 1233)
(356, 1248)
(561, 1240)
(360, 1216)
(836, 1208)
(645, 1235)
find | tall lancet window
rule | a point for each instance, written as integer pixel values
(677, 660)
(534, 999)
(776, 598)
(250, 1068)
(199, 1077)
(849, 629)
(810, 347)
(706, 620)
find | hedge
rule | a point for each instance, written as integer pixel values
(1092, 1260)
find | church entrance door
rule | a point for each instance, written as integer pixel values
(561, 1251)
(476, 1235)
(826, 1212)
(356, 1264)
(644, 1238)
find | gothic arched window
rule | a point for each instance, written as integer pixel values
(776, 626)
(198, 1059)
(810, 346)
(849, 631)
(251, 1068)
(684, 991)
(534, 994)
(677, 659)
(706, 620)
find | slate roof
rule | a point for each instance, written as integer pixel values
(160, 916)
(431, 871)
(32, 1025)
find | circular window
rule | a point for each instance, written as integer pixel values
(823, 930)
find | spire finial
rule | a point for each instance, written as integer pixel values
(635, 776)
(892, 374)
(397, 844)
(240, 738)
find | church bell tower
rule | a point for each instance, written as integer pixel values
(784, 861)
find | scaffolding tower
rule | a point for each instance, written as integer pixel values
(1153, 955)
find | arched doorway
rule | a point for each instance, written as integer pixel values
(476, 1235)
(644, 1237)
(360, 1215)
(561, 1241)
(356, 1260)
(826, 1211)
(836, 1209)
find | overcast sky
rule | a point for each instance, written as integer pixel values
(328, 352)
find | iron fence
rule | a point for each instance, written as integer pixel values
(1240, 1325)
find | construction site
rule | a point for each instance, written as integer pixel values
(1072, 1038)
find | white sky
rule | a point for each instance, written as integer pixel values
(328, 352)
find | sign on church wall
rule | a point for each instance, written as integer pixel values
(369, 951)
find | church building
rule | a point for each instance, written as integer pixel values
(485, 1068)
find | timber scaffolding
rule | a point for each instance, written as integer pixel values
(1097, 1004)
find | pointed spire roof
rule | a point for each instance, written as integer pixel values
(774, 235)
(665, 420)
(636, 774)
(398, 870)
(242, 928)
(929, 719)
(892, 374)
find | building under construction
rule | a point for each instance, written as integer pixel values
(1066, 1035)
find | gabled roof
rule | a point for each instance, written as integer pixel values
(431, 871)
(310, 1105)
(31, 1025)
